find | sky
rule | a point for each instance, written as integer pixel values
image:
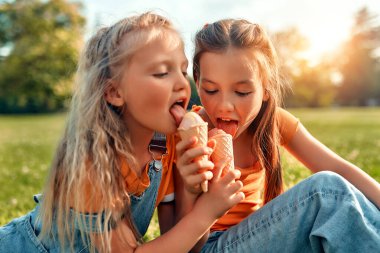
(325, 23)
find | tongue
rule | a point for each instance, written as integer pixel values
(177, 112)
(230, 127)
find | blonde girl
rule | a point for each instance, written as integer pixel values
(236, 73)
(107, 177)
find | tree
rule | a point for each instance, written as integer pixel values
(359, 64)
(44, 38)
(311, 86)
(194, 99)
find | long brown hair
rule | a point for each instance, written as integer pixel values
(86, 170)
(241, 34)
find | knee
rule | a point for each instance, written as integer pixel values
(328, 178)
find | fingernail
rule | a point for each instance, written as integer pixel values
(209, 175)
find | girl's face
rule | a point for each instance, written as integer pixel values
(230, 89)
(155, 87)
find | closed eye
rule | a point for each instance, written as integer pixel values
(210, 92)
(242, 94)
(160, 75)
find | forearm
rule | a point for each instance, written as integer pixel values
(182, 237)
(198, 247)
(317, 157)
(184, 204)
(361, 180)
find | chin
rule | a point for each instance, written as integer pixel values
(169, 129)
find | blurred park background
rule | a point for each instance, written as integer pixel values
(335, 93)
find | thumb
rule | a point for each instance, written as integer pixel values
(211, 144)
(219, 167)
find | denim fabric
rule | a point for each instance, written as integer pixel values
(20, 235)
(323, 213)
(143, 206)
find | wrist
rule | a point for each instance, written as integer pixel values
(203, 215)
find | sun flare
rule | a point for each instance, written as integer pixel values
(325, 39)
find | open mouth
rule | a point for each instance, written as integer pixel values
(229, 126)
(177, 110)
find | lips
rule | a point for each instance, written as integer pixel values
(227, 125)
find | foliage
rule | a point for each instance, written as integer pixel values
(194, 99)
(356, 63)
(44, 37)
(360, 67)
(311, 86)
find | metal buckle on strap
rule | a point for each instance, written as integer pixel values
(158, 144)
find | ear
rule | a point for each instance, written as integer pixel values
(266, 95)
(112, 95)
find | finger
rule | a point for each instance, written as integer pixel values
(211, 143)
(196, 167)
(195, 153)
(237, 198)
(183, 145)
(234, 187)
(230, 176)
(197, 179)
(237, 174)
(218, 169)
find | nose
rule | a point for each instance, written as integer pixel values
(226, 103)
(181, 82)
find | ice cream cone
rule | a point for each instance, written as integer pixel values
(193, 125)
(223, 149)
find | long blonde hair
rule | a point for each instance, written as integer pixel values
(86, 168)
(238, 33)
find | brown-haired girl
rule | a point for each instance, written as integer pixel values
(237, 78)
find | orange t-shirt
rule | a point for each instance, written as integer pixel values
(137, 185)
(253, 178)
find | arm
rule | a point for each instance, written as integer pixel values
(184, 203)
(186, 169)
(166, 216)
(222, 195)
(180, 238)
(317, 157)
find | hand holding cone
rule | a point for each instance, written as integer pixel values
(193, 125)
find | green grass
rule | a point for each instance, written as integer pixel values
(27, 145)
(352, 133)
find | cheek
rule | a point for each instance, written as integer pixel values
(250, 107)
(208, 102)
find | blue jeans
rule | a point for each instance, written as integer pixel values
(323, 213)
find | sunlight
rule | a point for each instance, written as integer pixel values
(325, 39)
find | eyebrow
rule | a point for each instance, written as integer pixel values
(207, 80)
(247, 81)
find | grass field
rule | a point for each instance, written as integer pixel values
(27, 144)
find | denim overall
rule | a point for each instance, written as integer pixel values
(143, 206)
(20, 235)
(323, 213)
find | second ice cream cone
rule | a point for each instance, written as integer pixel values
(223, 149)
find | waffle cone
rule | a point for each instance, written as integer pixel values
(223, 150)
(200, 131)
